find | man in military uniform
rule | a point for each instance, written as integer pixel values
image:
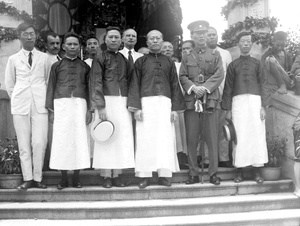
(201, 74)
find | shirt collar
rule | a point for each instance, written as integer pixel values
(26, 52)
(126, 50)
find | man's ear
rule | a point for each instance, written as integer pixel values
(63, 47)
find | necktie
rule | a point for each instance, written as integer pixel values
(30, 59)
(130, 59)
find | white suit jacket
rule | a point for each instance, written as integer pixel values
(135, 55)
(24, 83)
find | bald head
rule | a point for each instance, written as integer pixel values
(154, 41)
(167, 49)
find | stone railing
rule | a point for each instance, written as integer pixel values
(280, 119)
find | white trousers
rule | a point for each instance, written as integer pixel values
(32, 131)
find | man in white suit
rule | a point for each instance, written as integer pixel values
(26, 78)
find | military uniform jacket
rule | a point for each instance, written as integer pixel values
(205, 62)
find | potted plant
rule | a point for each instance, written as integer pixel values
(276, 147)
(10, 164)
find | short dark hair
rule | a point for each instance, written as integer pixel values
(189, 41)
(24, 26)
(243, 33)
(51, 33)
(72, 34)
(110, 28)
(91, 36)
(280, 35)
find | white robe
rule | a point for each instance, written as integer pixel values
(155, 137)
(118, 151)
(69, 145)
(251, 148)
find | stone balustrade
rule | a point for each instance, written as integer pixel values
(280, 119)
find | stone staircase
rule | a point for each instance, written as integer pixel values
(247, 203)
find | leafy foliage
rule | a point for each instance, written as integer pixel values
(229, 36)
(10, 162)
(234, 3)
(276, 147)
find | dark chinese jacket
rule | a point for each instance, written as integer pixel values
(68, 77)
(155, 75)
(109, 76)
(243, 77)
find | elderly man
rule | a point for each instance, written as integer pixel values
(201, 73)
(110, 75)
(143, 50)
(212, 40)
(155, 96)
(187, 46)
(53, 48)
(242, 101)
(276, 63)
(26, 79)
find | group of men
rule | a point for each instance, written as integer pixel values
(152, 101)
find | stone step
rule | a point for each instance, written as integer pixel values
(288, 217)
(92, 177)
(148, 208)
(154, 191)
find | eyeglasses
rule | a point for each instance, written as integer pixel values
(27, 35)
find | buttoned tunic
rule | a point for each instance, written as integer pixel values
(242, 95)
(155, 90)
(110, 74)
(67, 95)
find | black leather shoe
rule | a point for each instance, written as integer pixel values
(62, 185)
(192, 180)
(25, 185)
(76, 184)
(37, 184)
(117, 182)
(107, 182)
(214, 179)
(258, 178)
(164, 182)
(144, 183)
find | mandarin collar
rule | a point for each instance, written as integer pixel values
(245, 57)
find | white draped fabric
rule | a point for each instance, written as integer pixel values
(118, 151)
(251, 148)
(155, 137)
(69, 145)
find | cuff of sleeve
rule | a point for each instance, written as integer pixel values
(190, 90)
(132, 109)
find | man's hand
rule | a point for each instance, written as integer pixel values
(228, 114)
(51, 116)
(199, 91)
(102, 114)
(174, 116)
(262, 113)
(138, 115)
(88, 117)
